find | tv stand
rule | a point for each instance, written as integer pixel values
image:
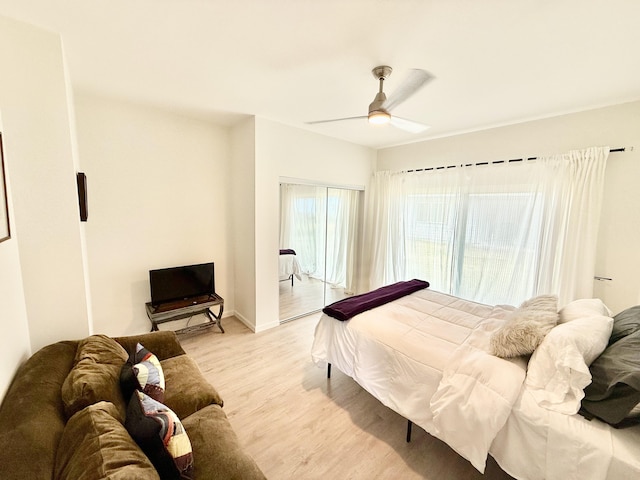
(179, 309)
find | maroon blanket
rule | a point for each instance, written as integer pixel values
(349, 307)
(287, 251)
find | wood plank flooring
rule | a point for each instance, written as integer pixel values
(306, 295)
(297, 424)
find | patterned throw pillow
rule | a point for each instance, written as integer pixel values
(161, 436)
(142, 372)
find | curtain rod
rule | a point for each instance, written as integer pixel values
(613, 150)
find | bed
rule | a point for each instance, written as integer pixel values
(289, 266)
(426, 356)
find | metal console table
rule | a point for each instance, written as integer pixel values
(169, 312)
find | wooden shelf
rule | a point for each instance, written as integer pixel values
(171, 311)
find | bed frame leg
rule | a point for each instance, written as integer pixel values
(409, 425)
(292, 279)
(328, 370)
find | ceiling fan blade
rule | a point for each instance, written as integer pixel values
(335, 120)
(415, 80)
(408, 125)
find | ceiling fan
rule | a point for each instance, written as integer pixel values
(380, 108)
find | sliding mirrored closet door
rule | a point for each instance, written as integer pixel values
(319, 233)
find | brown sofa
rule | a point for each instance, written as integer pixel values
(63, 415)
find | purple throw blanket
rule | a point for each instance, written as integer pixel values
(287, 251)
(349, 307)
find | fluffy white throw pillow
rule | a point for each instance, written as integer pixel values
(525, 328)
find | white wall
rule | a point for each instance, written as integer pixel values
(42, 283)
(158, 192)
(14, 341)
(243, 181)
(616, 126)
(283, 151)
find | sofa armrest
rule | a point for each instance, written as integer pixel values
(163, 344)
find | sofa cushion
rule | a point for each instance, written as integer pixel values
(187, 391)
(32, 414)
(160, 434)
(216, 449)
(95, 375)
(94, 444)
(142, 372)
(163, 343)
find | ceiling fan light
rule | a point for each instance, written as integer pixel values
(379, 117)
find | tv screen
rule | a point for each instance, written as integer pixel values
(180, 283)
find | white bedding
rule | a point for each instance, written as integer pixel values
(424, 356)
(289, 265)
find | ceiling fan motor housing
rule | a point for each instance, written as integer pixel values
(377, 103)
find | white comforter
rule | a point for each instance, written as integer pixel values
(427, 348)
(475, 395)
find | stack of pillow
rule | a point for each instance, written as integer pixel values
(563, 346)
(581, 359)
(155, 427)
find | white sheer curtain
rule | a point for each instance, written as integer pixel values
(568, 256)
(342, 236)
(321, 225)
(303, 225)
(491, 233)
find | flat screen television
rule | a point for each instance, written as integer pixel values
(181, 283)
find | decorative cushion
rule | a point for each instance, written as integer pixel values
(95, 375)
(615, 387)
(525, 328)
(584, 307)
(142, 372)
(559, 368)
(94, 444)
(160, 434)
(187, 389)
(219, 455)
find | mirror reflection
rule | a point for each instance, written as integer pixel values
(319, 231)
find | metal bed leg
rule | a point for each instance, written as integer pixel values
(328, 370)
(409, 425)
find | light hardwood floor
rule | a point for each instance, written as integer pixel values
(297, 424)
(306, 295)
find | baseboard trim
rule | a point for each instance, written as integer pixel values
(252, 327)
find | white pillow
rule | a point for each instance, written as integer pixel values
(558, 370)
(585, 307)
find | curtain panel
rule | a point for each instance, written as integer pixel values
(497, 233)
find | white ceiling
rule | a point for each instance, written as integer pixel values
(496, 62)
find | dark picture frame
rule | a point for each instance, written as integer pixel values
(5, 231)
